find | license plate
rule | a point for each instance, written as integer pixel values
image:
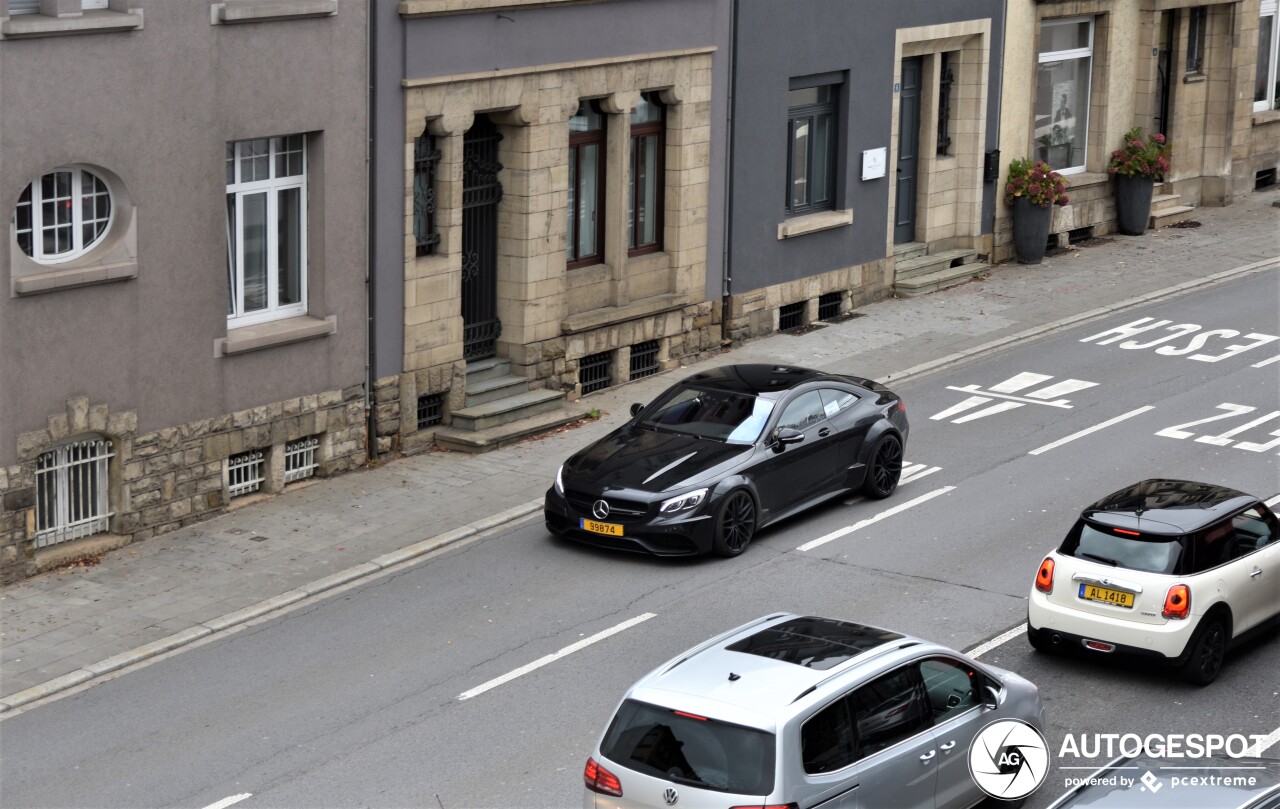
(607, 528)
(1120, 598)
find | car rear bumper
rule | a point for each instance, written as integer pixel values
(1167, 641)
(689, 536)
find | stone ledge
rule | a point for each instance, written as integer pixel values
(556, 67)
(1082, 179)
(814, 222)
(275, 333)
(242, 11)
(595, 318)
(30, 26)
(1266, 117)
(55, 280)
(428, 8)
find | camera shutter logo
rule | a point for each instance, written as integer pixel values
(1009, 759)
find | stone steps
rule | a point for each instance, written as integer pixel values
(506, 410)
(931, 264)
(909, 250)
(494, 388)
(918, 285)
(484, 440)
(1166, 211)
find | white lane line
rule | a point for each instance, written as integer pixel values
(225, 802)
(1265, 362)
(917, 474)
(1004, 637)
(1092, 429)
(554, 656)
(911, 472)
(1259, 747)
(1272, 501)
(849, 529)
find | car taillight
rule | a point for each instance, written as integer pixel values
(1177, 603)
(1044, 576)
(598, 779)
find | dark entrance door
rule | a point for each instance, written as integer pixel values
(1164, 70)
(481, 192)
(904, 220)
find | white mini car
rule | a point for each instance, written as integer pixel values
(1166, 569)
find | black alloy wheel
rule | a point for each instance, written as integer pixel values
(1208, 650)
(885, 468)
(735, 524)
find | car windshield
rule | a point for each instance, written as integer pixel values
(690, 749)
(736, 418)
(1153, 553)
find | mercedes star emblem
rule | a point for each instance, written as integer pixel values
(601, 510)
(671, 796)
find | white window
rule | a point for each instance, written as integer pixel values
(266, 229)
(1062, 93)
(71, 491)
(62, 215)
(1266, 92)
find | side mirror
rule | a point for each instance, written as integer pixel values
(787, 435)
(636, 409)
(991, 697)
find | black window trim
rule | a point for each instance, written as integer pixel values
(835, 80)
(975, 672)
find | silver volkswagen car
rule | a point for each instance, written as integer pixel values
(792, 711)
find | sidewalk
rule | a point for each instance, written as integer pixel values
(65, 627)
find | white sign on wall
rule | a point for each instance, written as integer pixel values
(873, 163)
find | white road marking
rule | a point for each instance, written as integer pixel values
(849, 529)
(1006, 389)
(554, 656)
(1092, 429)
(1004, 637)
(1265, 362)
(1273, 501)
(989, 411)
(911, 472)
(1017, 382)
(225, 802)
(1262, 745)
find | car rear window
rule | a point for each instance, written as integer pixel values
(1153, 553)
(691, 750)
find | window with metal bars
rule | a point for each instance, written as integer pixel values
(946, 78)
(791, 316)
(425, 159)
(300, 459)
(644, 359)
(595, 372)
(430, 410)
(1196, 26)
(71, 491)
(829, 305)
(245, 472)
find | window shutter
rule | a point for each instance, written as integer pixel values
(17, 7)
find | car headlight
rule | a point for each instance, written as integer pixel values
(683, 503)
(560, 480)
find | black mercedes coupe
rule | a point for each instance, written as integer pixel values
(726, 452)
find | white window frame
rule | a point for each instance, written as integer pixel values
(1074, 53)
(1270, 8)
(272, 186)
(78, 246)
(68, 503)
(17, 7)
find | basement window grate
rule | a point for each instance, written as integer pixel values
(791, 316)
(829, 305)
(245, 472)
(1264, 179)
(300, 459)
(430, 410)
(644, 359)
(1079, 235)
(595, 372)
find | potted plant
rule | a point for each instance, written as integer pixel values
(1031, 192)
(1137, 167)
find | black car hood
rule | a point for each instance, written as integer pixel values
(649, 460)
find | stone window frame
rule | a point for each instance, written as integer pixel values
(67, 17)
(1271, 87)
(1090, 52)
(1197, 30)
(578, 142)
(639, 132)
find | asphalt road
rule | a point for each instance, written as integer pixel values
(355, 700)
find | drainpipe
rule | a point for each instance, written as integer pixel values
(726, 273)
(999, 90)
(370, 165)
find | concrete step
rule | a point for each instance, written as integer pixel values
(498, 387)
(504, 434)
(1170, 216)
(480, 370)
(918, 285)
(506, 410)
(1162, 201)
(909, 250)
(930, 264)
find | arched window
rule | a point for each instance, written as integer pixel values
(62, 215)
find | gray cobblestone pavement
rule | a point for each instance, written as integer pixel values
(64, 627)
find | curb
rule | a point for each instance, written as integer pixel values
(410, 552)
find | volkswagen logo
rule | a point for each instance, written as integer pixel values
(601, 510)
(670, 796)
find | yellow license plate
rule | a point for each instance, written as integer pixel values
(607, 528)
(1090, 592)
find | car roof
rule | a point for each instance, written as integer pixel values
(1204, 794)
(751, 674)
(1162, 506)
(761, 378)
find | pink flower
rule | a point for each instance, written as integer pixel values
(1035, 188)
(1158, 137)
(1008, 189)
(1064, 199)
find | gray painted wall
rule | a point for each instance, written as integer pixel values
(512, 38)
(156, 106)
(856, 36)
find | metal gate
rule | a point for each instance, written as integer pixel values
(481, 192)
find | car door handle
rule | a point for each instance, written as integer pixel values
(946, 748)
(927, 757)
(1257, 571)
(824, 432)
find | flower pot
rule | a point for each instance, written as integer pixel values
(1030, 230)
(1133, 203)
